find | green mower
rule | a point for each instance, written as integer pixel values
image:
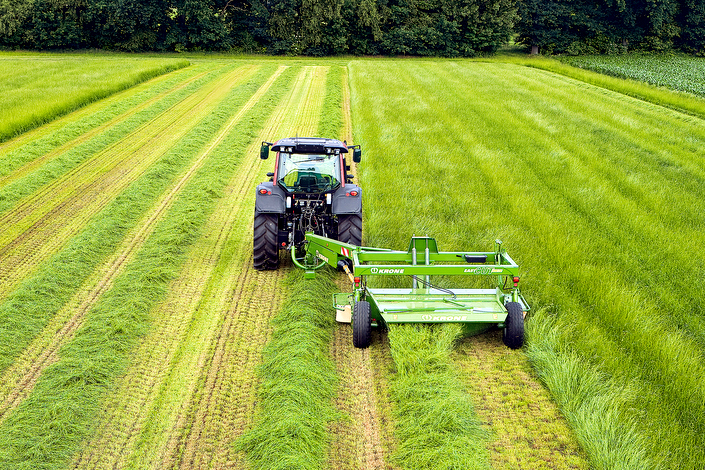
(479, 310)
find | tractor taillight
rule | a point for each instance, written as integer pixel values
(357, 282)
(264, 191)
(352, 193)
(516, 281)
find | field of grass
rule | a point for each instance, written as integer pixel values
(37, 89)
(134, 332)
(674, 71)
(592, 193)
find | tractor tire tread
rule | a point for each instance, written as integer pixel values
(350, 229)
(361, 324)
(265, 250)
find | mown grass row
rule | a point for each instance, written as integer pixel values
(436, 425)
(49, 137)
(38, 89)
(592, 193)
(45, 430)
(11, 193)
(27, 309)
(298, 381)
(201, 326)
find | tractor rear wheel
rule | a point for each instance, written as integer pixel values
(513, 334)
(265, 249)
(361, 324)
(350, 229)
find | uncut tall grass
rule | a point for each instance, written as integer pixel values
(37, 88)
(595, 194)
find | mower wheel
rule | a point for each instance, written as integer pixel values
(361, 324)
(265, 249)
(513, 334)
(350, 229)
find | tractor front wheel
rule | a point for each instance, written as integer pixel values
(513, 334)
(361, 324)
(265, 249)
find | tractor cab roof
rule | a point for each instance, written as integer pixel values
(314, 145)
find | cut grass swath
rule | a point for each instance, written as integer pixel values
(299, 381)
(45, 430)
(36, 90)
(36, 299)
(298, 376)
(33, 149)
(13, 192)
(194, 350)
(436, 425)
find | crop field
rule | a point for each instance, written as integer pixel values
(677, 72)
(134, 332)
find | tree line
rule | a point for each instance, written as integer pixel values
(449, 28)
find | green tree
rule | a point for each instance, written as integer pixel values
(691, 19)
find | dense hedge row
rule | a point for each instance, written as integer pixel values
(312, 27)
(610, 26)
(360, 27)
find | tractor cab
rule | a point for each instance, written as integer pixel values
(310, 165)
(308, 173)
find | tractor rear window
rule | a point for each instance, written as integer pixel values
(305, 173)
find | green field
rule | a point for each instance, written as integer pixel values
(674, 71)
(34, 92)
(134, 332)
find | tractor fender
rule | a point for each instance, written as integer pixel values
(269, 199)
(345, 201)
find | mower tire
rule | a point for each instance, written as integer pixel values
(265, 249)
(361, 324)
(513, 333)
(350, 229)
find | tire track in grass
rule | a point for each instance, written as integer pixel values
(526, 427)
(44, 222)
(216, 320)
(17, 382)
(358, 437)
(36, 163)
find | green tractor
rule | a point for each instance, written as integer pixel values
(310, 191)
